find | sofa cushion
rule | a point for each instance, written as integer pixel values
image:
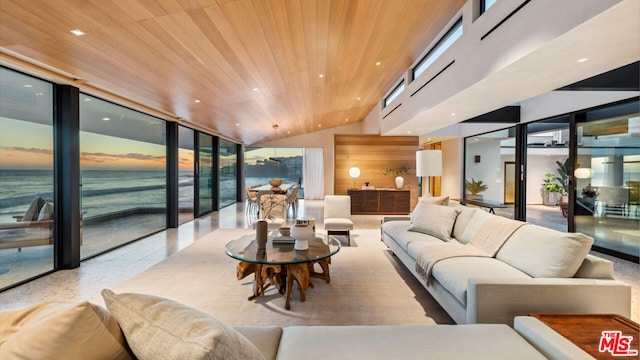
(453, 273)
(414, 247)
(157, 328)
(545, 253)
(399, 231)
(463, 219)
(435, 200)
(265, 338)
(476, 220)
(61, 330)
(435, 220)
(477, 342)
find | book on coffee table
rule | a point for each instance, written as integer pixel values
(284, 240)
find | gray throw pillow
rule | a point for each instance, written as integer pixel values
(158, 328)
(435, 220)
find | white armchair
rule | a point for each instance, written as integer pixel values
(337, 215)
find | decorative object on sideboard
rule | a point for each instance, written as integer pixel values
(397, 172)
(428, 163)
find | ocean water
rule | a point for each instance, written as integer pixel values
(103, 191)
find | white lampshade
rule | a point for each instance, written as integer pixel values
(429, 163)
(354, 172)
(583, 173)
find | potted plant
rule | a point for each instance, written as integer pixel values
(475, 188)
(550, 189)
(397, 172)
(563, 178)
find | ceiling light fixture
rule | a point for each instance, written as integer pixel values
(28, 85)
(378, 63)
(77, 32)
(581, 60)
(321, 75)
(358, 98)
(453, 114)
(106, 119)
(256, 89)
(237, 124)
(197, 101)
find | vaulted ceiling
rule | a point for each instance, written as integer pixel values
(231, 67)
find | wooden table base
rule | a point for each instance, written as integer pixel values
(283, 277)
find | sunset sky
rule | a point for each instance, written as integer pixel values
(25, 145)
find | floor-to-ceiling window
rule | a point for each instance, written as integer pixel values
(263, 164)
(547, 173)
(607, 176)
(186, 167)
(205, 171)
(123, 174)
(26, 177)
(228, 173)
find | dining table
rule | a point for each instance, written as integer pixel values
(282, 189)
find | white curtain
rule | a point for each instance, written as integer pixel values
(313, 173)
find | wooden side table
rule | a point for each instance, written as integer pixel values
(615, 335)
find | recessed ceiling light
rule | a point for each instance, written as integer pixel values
(321, 75)
(346, 120)
(28, 85)
(256, 89)
(358, 98)
(288, 132)
(237, 124)
(378, 63)
(409, 132)
(106, 119)
(453, 114)
(319, 125)
(197, 101)
(77, 32)
(583, 60)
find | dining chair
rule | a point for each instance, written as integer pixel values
(292, 200)
(252, 201)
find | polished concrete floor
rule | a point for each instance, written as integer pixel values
(119, 265)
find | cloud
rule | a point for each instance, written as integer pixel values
(104, 157)
(26, 150)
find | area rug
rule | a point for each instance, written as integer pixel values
(367, 287)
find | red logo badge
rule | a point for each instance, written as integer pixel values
(617, 344)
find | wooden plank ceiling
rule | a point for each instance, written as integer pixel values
(232, 67)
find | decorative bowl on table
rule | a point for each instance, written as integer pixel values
(285, 231)
(275, 182)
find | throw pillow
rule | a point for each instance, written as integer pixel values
(158, 328)
(46, 213)
(34, 209)
(435, 220)
(61, 330)
(436, 200)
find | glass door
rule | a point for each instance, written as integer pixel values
(205, 173)
(608, 178)
(547, 173)
(186, 168)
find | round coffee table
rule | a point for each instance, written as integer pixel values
(280, 264)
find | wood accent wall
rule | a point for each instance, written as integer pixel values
(373, 154)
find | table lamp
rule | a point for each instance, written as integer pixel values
(428, 163)
(354, 172)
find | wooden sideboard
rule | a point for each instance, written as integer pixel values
(380, 201)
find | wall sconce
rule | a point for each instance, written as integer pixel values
(354, 172)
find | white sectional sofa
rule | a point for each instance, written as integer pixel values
(138, 326)
(537, 270)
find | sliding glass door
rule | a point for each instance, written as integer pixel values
(607, 192)
(186, 168)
